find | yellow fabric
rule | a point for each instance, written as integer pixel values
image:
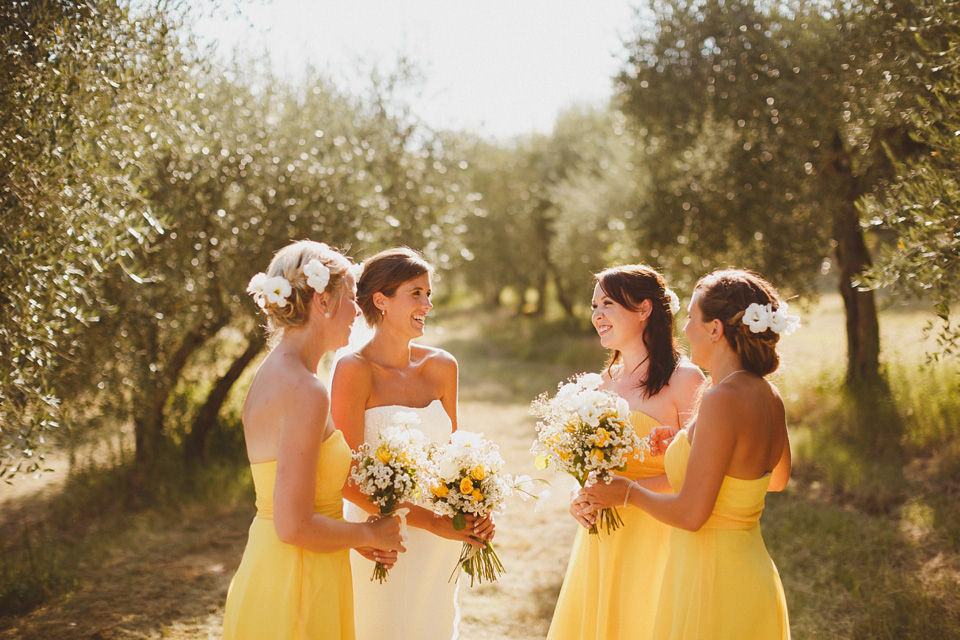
(719, 582)
(612, 581)
(284, 592)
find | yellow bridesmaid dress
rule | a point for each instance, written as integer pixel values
(612, 582)
(284, 592)
(719, 582)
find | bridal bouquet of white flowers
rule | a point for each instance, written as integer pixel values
(587, 433)
(466, 479)
(392, 472)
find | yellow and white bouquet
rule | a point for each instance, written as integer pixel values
(466, 479)
(586, 432)
(391, 471)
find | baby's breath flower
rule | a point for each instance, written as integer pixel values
(586, 432)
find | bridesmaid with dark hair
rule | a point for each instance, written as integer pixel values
(719, 582)
(611, 585)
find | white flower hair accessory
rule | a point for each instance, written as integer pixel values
(762, 317)
(274, 290)
(357, 270)
(673, 301)
(318, 275)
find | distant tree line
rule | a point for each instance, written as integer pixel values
(794, 137)
(142, 184)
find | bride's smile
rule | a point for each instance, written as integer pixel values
(411, 301)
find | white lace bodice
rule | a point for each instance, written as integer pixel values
(434, 421)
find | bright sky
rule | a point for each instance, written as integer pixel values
(497, 67)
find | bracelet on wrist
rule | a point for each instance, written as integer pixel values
(627, 495)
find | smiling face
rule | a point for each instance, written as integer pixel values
(406, 310)
(616, 325)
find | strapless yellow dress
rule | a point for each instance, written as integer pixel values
(284, 592)
(612, 582)
(719, 582)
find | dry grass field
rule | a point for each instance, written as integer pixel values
(164, 573)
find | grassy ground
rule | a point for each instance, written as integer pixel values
(866, 548)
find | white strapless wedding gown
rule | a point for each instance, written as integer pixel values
(416, 601)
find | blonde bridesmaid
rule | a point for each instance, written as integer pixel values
(294, 580)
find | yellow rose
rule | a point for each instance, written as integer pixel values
(597, 455)
(383, 455)
(603, 437)
(440, 490)
(478, 472)
(466, 487)
(477, 496)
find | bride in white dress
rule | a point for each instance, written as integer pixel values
(418, 601)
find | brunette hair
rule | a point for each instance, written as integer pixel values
(629, 286)
(384, 272)
(725, 296)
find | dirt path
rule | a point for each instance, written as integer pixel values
(167, 577)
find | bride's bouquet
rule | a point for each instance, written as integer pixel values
(586, 432)
(392, 472)
(466, 479)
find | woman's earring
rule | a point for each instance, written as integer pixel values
(383, 312)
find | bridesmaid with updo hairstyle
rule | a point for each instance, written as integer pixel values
(610, 589)
(719, 582)
(391, 373)
(294, 580)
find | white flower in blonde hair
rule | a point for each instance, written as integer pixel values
(276, 290)
(255, 288)
(357, 270)
(674, 301)
(318, 275)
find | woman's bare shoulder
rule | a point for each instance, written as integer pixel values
(687, 373)
(353, 366)
(283, 394)
(434, 357)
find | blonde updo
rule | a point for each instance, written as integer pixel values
(289, 263)
(725, 296)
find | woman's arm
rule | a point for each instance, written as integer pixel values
(710, 457)
(781, 473)
(302, 430)
(688, 379)
(445, 373)
(580, 505)
(349, 391)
